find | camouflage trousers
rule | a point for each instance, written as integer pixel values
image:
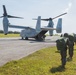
(63, 54)
(70, 51)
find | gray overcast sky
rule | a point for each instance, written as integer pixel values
(45, 8)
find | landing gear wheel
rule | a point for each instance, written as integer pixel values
(26, 38)
(22, 38)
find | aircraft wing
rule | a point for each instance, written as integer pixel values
(19, 27)
(48, 28)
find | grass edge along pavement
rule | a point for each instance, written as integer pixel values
(9, 35)
(42, 62)
(13, 35)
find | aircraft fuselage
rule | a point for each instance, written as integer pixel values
(32, 33)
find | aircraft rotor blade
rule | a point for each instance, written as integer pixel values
(1, 16)
(46, 19)
(6, 15)
(34, 19)
(9, 16)
(4, 10)
(59, 15)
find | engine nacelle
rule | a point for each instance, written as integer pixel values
(51, 24)
(59, 26)
(5, 25)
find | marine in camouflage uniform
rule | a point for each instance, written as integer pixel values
(63, 51)
(71, 46)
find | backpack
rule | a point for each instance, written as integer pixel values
(71, 40)
(61, 43)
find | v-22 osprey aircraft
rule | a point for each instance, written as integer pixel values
(28, 32)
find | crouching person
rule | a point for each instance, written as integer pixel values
(62, 44)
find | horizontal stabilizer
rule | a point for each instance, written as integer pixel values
(48, 28)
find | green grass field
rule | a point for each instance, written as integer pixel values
(42, 62)
(9, 35)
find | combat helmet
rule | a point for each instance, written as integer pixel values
(65, 34)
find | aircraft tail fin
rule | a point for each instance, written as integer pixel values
(59, 26)
(38, 24)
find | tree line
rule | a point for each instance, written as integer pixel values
(10, 32)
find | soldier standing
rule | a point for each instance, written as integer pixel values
(71, 46)
(63, 49)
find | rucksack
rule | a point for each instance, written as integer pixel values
(61, 43)
(71, 40)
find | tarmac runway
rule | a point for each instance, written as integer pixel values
(15, 48)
